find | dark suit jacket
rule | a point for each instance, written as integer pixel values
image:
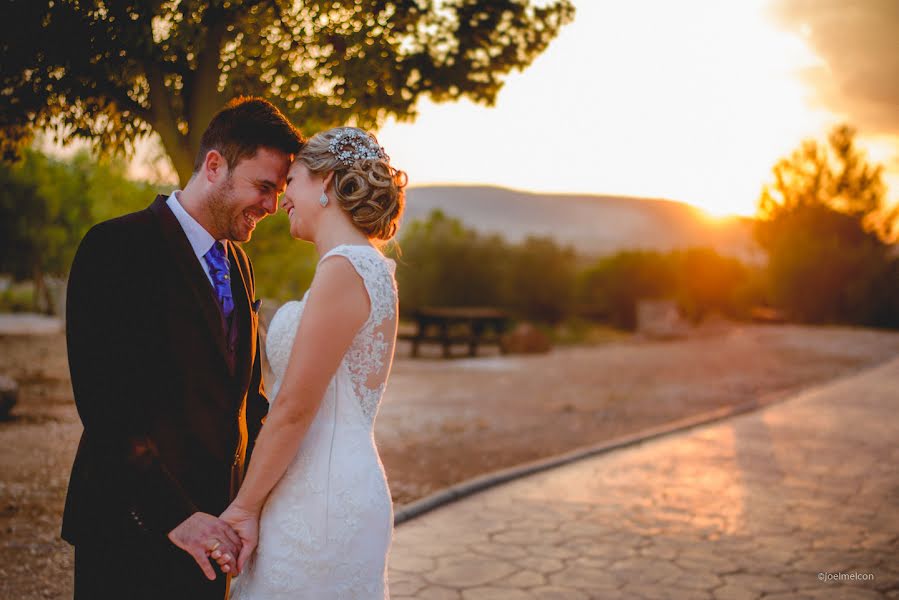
(170, 407)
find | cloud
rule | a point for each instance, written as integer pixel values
(858, 41)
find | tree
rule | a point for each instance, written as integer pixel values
(826, 231)
(836, 177)
(541, 279)
(708, 282)
(283, 266)
(43, 216)
(47, 205)
(615, 284)
(111, 72)
(444, 263)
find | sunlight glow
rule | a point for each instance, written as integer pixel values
(692, 101)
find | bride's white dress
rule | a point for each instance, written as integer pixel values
(326, 528)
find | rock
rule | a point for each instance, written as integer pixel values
(9, 393)
(525, 339)
(660, 319)
(766, 314)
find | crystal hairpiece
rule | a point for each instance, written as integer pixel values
(350, 145)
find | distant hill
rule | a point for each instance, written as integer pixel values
(594, 225)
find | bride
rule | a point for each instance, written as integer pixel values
(315, 504)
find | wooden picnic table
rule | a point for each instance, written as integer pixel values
(473, 326)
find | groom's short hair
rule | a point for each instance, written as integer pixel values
(244, 125)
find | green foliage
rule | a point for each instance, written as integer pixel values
(282, 265)
(47, 205)
(108, 190)
(541, 279)
(443, 263)
(824, 227)
(446, 264)
(836, 175)
(699, 279)
(44, 213)
(111, 72)
(614, 285)
(708, 282)
(18, 297)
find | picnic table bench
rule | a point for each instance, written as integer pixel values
(447, 326)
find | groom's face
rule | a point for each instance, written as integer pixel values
(248, 193)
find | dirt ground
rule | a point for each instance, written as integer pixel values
(441, 421)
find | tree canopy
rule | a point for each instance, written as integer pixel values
(112, 71)
(827, 232)
(835, 177)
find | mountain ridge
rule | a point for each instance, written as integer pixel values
(593, 224)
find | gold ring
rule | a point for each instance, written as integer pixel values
(217, 544)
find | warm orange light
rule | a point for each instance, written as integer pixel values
(690, 101)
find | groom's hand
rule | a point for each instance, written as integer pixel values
(202, 534)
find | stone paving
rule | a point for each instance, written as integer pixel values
(775, 504)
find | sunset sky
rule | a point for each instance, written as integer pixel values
(691, 101)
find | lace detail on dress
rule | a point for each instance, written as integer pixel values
(368, 358)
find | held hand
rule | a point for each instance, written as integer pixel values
(246, 524)
(202, 534)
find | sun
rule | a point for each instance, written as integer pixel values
(634, 99)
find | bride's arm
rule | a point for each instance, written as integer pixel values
(336, 308)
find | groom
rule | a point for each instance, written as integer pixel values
(165, 364)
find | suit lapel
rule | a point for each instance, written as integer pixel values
(243, 319)
(187, 264)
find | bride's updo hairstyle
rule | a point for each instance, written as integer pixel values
(367, 187)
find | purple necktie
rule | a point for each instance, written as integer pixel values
(220, 271)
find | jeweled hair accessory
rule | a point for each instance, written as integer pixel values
(350, 145)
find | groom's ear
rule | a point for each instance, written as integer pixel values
(215, 166)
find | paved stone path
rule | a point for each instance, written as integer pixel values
(753, 507)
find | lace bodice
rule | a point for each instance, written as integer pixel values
(367, 362)
(326, 527)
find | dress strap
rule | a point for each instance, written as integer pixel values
(346, 250)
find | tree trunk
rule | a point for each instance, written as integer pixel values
(165, 122)
(40, 299)
(201, 99)
(183, 166)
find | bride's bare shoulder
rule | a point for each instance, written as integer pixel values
(337, 286)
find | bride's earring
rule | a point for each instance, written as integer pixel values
(323, 199)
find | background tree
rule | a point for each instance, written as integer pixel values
(615, 284)
(111, 72)
(444, 263)
(47, 205)
(282, 265)
(708, 282)
(541, 279)
(825, 228)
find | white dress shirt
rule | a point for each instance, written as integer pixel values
(200, 239)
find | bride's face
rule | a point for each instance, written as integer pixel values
(300, 200)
